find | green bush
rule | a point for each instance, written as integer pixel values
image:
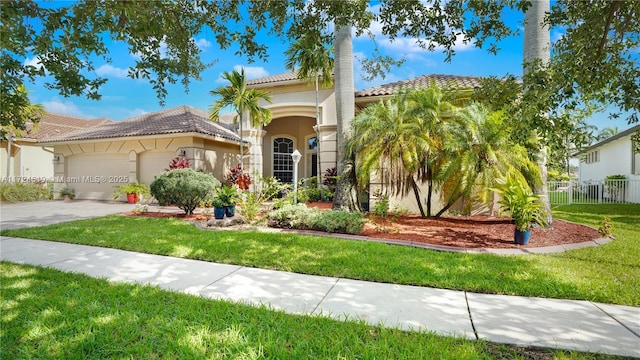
(20, 192)
(338, 221)
(301, 217)
(184, 188)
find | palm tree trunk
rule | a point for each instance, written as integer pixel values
(536, 47)
(416, 193)
(241, 148)
(429, 190)
(318, 165)
(345, 108)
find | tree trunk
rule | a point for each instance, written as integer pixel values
(319, 164)
(537, 46)
(345, 109)
(416, 193)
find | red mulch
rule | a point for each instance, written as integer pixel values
(459, 231)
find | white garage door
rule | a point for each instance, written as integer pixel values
(153, 163)
(95, 176)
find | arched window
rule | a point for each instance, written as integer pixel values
(282, 162)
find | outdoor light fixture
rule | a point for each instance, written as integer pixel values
(56, 159)
(183, 153)
(296, 156)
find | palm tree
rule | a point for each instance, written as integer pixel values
(388, 139)
(478, 151)
(315, 64)
(607, 132)
(537, 52)
(345, 111)
(241, 99)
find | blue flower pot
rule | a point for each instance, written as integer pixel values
(230, 211)
(522, 237)
(218, 213)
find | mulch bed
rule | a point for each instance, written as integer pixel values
(460, 231)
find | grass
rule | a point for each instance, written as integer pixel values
(608, 274)
(48, 314)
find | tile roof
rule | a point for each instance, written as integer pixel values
(287, 76)
(421, 81)
(181, 119)
(55, 125)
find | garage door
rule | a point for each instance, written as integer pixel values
(153, 163)
(95, 176)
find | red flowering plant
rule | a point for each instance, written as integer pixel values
(236, 177)
(178, 163)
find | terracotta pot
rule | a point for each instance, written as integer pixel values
(132, 198)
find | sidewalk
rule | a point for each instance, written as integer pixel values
(563, 324)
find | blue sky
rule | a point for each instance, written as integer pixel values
(123, 97)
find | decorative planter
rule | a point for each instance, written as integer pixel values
(521, 237)
(132, 198)
(230, 211)
(218, 212)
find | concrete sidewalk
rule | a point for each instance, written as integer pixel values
(563, 324)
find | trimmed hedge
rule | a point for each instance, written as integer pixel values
(303, 218)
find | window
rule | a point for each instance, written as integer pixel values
(592, 157)
(313, 143)
(282, 162)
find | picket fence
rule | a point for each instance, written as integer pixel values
(594, 192)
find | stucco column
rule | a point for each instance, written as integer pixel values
(133, 167)
(253, 158)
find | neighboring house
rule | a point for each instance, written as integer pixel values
(611, 156)
(94, 161)
(28, 159)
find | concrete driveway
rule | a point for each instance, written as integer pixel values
(38, 213)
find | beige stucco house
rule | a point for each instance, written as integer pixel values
(136, 149)
(94, 161)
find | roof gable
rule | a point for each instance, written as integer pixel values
(182, 119)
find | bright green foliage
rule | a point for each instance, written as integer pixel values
(301, 217)
(226, 196)
(19, 192)
(606, 227)
(184, 188)
(518, 200)
(478, 151)
(131, 188)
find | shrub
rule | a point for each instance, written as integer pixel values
(184, 188)
(301, 217)
(20, 192)
(236, 177)
(338, 221)
(178, 163)
(330, 179)
(606, 228)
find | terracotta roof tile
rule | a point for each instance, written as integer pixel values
(421, 81)
(182, 119)
(55, 125)
(287, 76)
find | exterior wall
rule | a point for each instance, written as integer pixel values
(613, 158)
(93, 169)
(299, 129)
(28, 161)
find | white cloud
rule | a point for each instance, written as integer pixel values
(136, 112)
(33, 62)
(202, 43)
(251, 72)
(111, 71)
(64, 108)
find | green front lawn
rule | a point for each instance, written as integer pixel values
(48, 314)
(609, 273)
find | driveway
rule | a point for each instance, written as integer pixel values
(38, 213)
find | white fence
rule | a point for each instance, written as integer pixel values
(594, 192)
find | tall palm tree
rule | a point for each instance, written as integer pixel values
(311, 59)
(345, 111)
(478, 151)
(388, 139)
(242, 100)
(537, 40)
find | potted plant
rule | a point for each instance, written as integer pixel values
(218, 208)
(525, 208)
(67, 193)
(133, 191)
(227, 197)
